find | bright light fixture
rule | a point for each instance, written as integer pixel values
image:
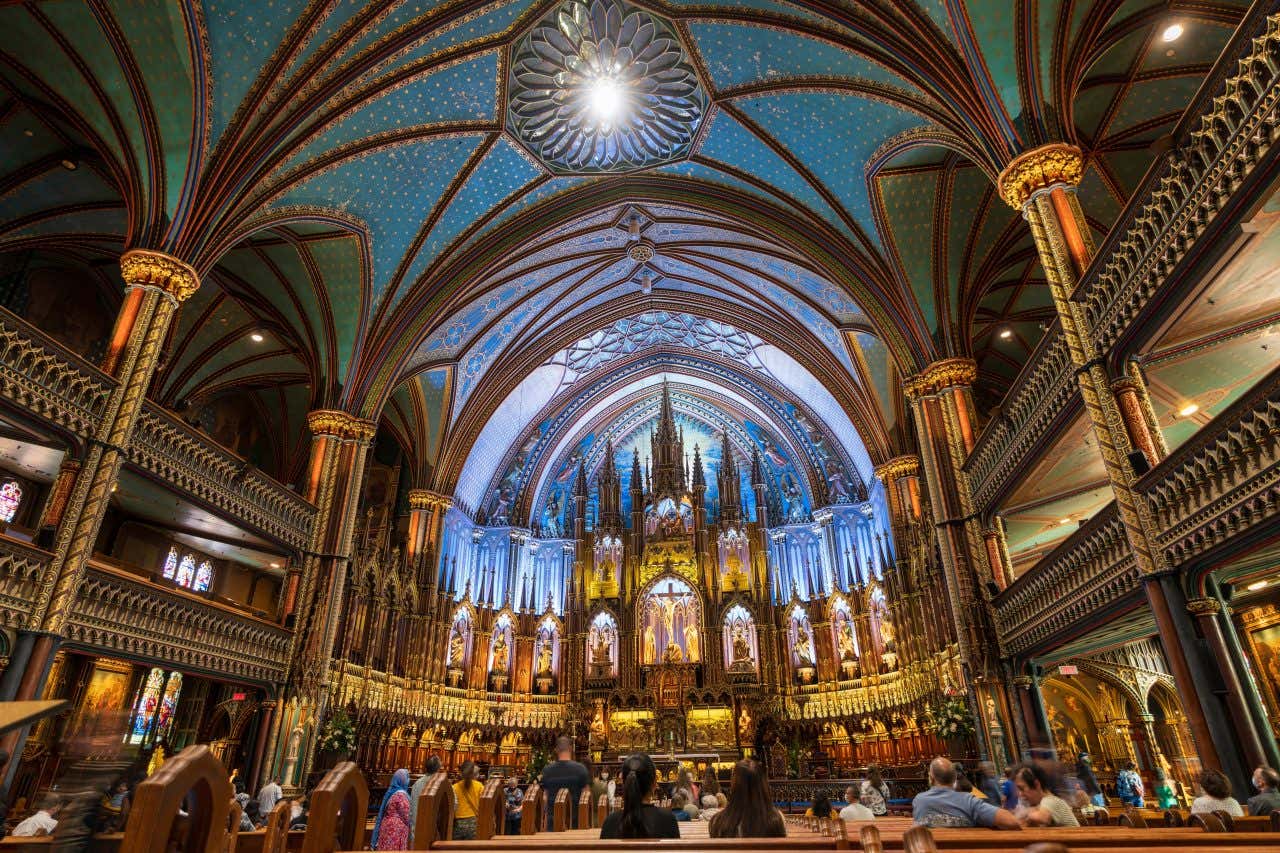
(1256, 585)
(605, 97)
(1188, 410)
(1064, 521)
(70, 165)
(275, 565)
(1005, 334)
(1173, 32)
(257, 337)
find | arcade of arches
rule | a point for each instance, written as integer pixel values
(779, 378)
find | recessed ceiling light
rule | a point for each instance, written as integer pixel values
(1256, 585)
(256, 337)
(1064, 521)
(28, 132)
(70, 165)
(275, 565)
(1173, 32)
(1005, 334)
(1188, 410)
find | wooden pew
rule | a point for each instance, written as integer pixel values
(339, 805)
(157, 800)
(275, 832)
(560, 811)
(435, 813)
(234, 812)
(584, 810)
(531, 818)
(602, 810)
(491, 819)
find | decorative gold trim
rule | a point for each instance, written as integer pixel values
(948, 373)
(898, 466)
(340, 424)
(147, 268)
(1038, 169)
(1203, 606)
(1023, 681)
(426, 499)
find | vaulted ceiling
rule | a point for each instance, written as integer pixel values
(394, 214)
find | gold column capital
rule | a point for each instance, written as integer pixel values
(1203, 606)
(898, 466)
(148, 268)
(339, 424)
(426, 499)
(947, 373)
(1040, 168)
(1023, 681)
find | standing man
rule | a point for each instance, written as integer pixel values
(268, 797)
(562, 773)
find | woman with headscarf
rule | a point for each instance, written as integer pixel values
(391, 829)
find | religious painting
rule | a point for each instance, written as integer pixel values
(10, 500)
(104, 698)
(49, 292)
(1265, 642)
(235, 421)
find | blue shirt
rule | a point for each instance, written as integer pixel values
(940, 807)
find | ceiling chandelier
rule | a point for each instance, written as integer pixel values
(603, 86)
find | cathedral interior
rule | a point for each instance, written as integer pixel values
(838, 384)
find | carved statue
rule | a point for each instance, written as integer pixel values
(650, 645)
(992, 716)
(500, 653)
(544, 657)
(744, 721)
(741, 648)
(804, 647)
(691, 644)
(457, 648)
(848, 650)
(604, 571)
(600, 648)
(673, 654)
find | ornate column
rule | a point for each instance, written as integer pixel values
(998, 552)
(1042, 184)
(1207, 612)
(55, 506)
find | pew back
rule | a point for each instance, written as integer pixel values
(339, 805)
(531, 819)
(493, 809)
(196, 772)
(435, 813)
(275, 837)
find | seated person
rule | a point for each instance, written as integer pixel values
(712, 804)
(1165, 797)
(639, 818)
(942, 805)
(855, 810)
(679, 806)
(821, 807)
(43, 822)
(1267, 800)
(1044, 808)
(1215, 796)
(750, 812)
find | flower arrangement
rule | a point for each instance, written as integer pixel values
(338, 734)
(951, 718)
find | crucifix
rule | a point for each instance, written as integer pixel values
(668, 601)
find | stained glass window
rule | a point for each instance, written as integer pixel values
(10, 500)
(171, 564)
(186, 571)
(204, 577)
(168, 704)
(144, 710)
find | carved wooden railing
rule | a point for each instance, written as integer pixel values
(197, 465)
(21, 567)
(39, 375)
(1044, 393)
(1223, 482)
(1228, 133)
(1226, 137)
(118, 613)
(1091, 570)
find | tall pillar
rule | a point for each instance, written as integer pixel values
(1042, 184)
(155, 285)
(1207, 612)
(998, 552)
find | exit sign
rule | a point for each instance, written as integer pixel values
(1068, 669)
(237, 697)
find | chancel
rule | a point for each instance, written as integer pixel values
(829, 402)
